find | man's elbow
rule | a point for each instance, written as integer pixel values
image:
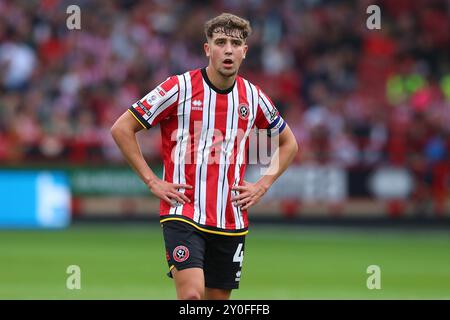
(295, 147)
(293, 144)
(115, 130)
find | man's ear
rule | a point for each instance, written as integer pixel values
(245, 50)
(206, 48)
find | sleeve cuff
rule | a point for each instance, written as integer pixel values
(139, 118)
(276, 127)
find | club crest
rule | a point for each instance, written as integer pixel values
(180, 254)
(243, 111)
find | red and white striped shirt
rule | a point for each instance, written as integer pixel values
(205, 141)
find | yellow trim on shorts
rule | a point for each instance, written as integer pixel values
(171, 267)
(205, 230)
(137, 118)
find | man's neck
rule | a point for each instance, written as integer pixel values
(219, 81)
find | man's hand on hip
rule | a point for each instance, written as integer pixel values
(249, 194)
(169, 192)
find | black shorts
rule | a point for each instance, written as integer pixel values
(219, 256)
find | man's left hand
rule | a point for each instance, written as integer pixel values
(249, 194)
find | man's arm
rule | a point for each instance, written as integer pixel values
(124, 133)
(250, 193)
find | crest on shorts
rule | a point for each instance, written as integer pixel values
(180, 253)
(243, 111)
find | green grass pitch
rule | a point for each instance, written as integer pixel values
(128, 262)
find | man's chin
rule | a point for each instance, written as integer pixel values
(228, 72)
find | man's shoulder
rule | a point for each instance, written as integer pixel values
(174, 80)
(251, 84)
(188, 72)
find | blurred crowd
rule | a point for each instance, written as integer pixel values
(352, 96)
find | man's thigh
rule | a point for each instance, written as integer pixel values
(223, 261)
(185, 246)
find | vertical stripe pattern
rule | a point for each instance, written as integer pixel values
(204, 126)
(182, 137)
(204, 146)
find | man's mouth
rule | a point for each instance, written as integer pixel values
(228, 62)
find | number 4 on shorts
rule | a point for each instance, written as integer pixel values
(239, 255)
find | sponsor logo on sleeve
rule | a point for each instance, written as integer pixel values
(161, 91)
(155, 95)
(146, 110)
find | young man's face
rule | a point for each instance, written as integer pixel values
(226, 52)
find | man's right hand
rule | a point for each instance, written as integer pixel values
(168, 191)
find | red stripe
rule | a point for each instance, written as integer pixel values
(243, 99)
(168, 128)
(139, 110)
(220, 123)
(242, 174)
(168, 111)
(167, 85)
(260, 121)
(229, 216)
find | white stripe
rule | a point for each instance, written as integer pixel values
(209, 142)
(266, 106)
(241, 149)
(198, 160)
(254, 103)
(175, 177)
(236, 210)
(187, 122)
(225, 153)
(204, 146)
(184, 108)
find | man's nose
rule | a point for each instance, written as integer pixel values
(228, 48)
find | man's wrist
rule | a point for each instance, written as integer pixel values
(150, 181)
(264, 184)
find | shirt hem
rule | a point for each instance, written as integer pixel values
(204, 228)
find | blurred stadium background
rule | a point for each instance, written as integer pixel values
(369, 186)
